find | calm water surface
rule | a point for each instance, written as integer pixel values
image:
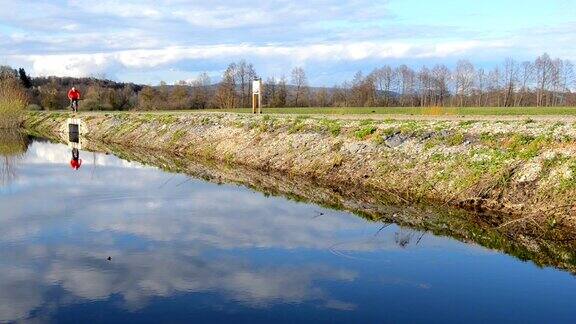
(116, 241)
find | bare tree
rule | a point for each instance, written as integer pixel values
(525, 77)
(385, 79)
(245, 73)
(300, 83)
(51, 98)
(407, 84)
(441, 76)
(543, 71)
(322, 98)
(276, 92)
(481, 84)
(545, 81)
(510, 80)
(425, 86)
(281, 98)
(494, 87)
(180, 97)
(201, 91)
(464, 77)
(147, 97)
(363, 90)
(226, 93)
(341, 95)
(269, 91)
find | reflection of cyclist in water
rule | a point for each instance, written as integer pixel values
(74, 96)
(76, 162)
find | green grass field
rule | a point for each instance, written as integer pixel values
(446, 112)
(417, 111)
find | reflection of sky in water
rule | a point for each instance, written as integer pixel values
(185, 249)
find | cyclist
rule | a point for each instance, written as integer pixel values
(74, 96)
(76, 162)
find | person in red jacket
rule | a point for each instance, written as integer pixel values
(76, 162)
(74, 96)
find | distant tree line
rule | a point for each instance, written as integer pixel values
(542, 82)
(50, 93)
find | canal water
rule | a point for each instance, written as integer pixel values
(88, 237)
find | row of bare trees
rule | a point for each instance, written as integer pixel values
(233, 91)
(542, 82)
(196, 94)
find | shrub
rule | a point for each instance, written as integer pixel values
(178, 135)
(333, 126)
(12, 103)
(298, 124)
(436, 111)
(456, 139)
(365, 131)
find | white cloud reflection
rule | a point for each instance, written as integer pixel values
(50, 153)
(166, 235)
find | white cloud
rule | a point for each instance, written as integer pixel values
(108, 62)
(142, 40)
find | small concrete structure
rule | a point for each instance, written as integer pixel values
(73, 130)
(257, 96)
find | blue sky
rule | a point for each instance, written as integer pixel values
(170, 40)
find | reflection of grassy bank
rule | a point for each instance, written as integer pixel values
(12, 104)
(549, 246)
(12, 142)
(13, 145)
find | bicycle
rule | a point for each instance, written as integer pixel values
(74, 105)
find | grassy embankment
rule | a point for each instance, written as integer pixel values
(521, 167)
(382, 111)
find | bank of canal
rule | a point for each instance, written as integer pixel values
(520, 172)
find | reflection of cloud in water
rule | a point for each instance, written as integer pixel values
(134, 202)
(131, 203)
(154, 273)
(82, 220)
(183, 237)
(20, 292)
(49, 153)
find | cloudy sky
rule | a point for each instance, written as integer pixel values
(170, 40)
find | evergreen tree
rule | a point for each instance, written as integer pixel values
(24, 79)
